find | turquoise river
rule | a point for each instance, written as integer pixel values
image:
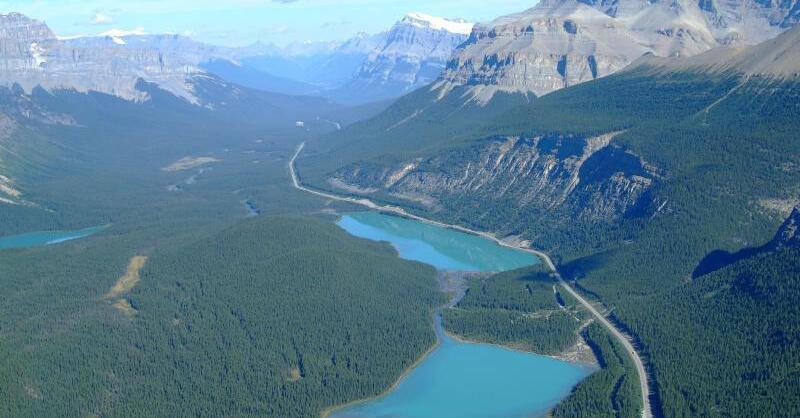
(459, 379)
(38, 239)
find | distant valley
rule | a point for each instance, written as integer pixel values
(310, 227)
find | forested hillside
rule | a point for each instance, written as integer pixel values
(435, 121)
(274, 316)
(520, 308)
(181, 306)
(89, 159)
(714, 157)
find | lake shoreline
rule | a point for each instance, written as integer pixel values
(615, 332)
(592, 365)
(326, 413)
(37, 239)
(453, 283)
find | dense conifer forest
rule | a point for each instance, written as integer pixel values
(520, 309)
(724, 150)
(285, 315)
(282, 314)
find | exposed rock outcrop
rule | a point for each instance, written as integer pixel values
(777, 58)
(31, 56)
(9, 193)
(413, 54)
(591, 179)
(560, 43)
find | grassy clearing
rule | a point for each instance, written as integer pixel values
(188, 163)
(129, 280)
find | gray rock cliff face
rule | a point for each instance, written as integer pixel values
(413, 53)
(560, 43)
(31, 56)
(589, 179)
(9, 192)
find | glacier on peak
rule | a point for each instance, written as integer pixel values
(421, 20)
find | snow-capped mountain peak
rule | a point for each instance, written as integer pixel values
(421, 20)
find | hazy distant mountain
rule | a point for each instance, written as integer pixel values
(31, 55)
(244, 75)
(365, 68)
(326, 65)
(114, 62)
(177, 46)
(413, 54)
(560, 43)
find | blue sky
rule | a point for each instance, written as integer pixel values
(240, 22)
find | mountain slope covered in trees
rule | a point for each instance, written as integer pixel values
(275, 316)
(630, 182)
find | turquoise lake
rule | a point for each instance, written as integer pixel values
(462, 380)
(42, 238)
(442, 248)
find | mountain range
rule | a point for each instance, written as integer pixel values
(411, 54)
(363, 69)
(649, 147)
(33, 56)
(560, 43)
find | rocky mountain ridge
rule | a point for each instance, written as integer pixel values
(9, 194)
(586, 178)
(560, 43)
(31, 55)
(414, 53)
(362, 69)
(777, 58)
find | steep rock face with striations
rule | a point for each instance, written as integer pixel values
(560, 43)
(590, 179)
(9, 193)
(31, 56)
(414, 53)
(23, 42)
(177, 47)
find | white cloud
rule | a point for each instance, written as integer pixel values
(102, 19)
(121, 32)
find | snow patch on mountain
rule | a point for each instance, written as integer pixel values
(421, 20)
(412, 54)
